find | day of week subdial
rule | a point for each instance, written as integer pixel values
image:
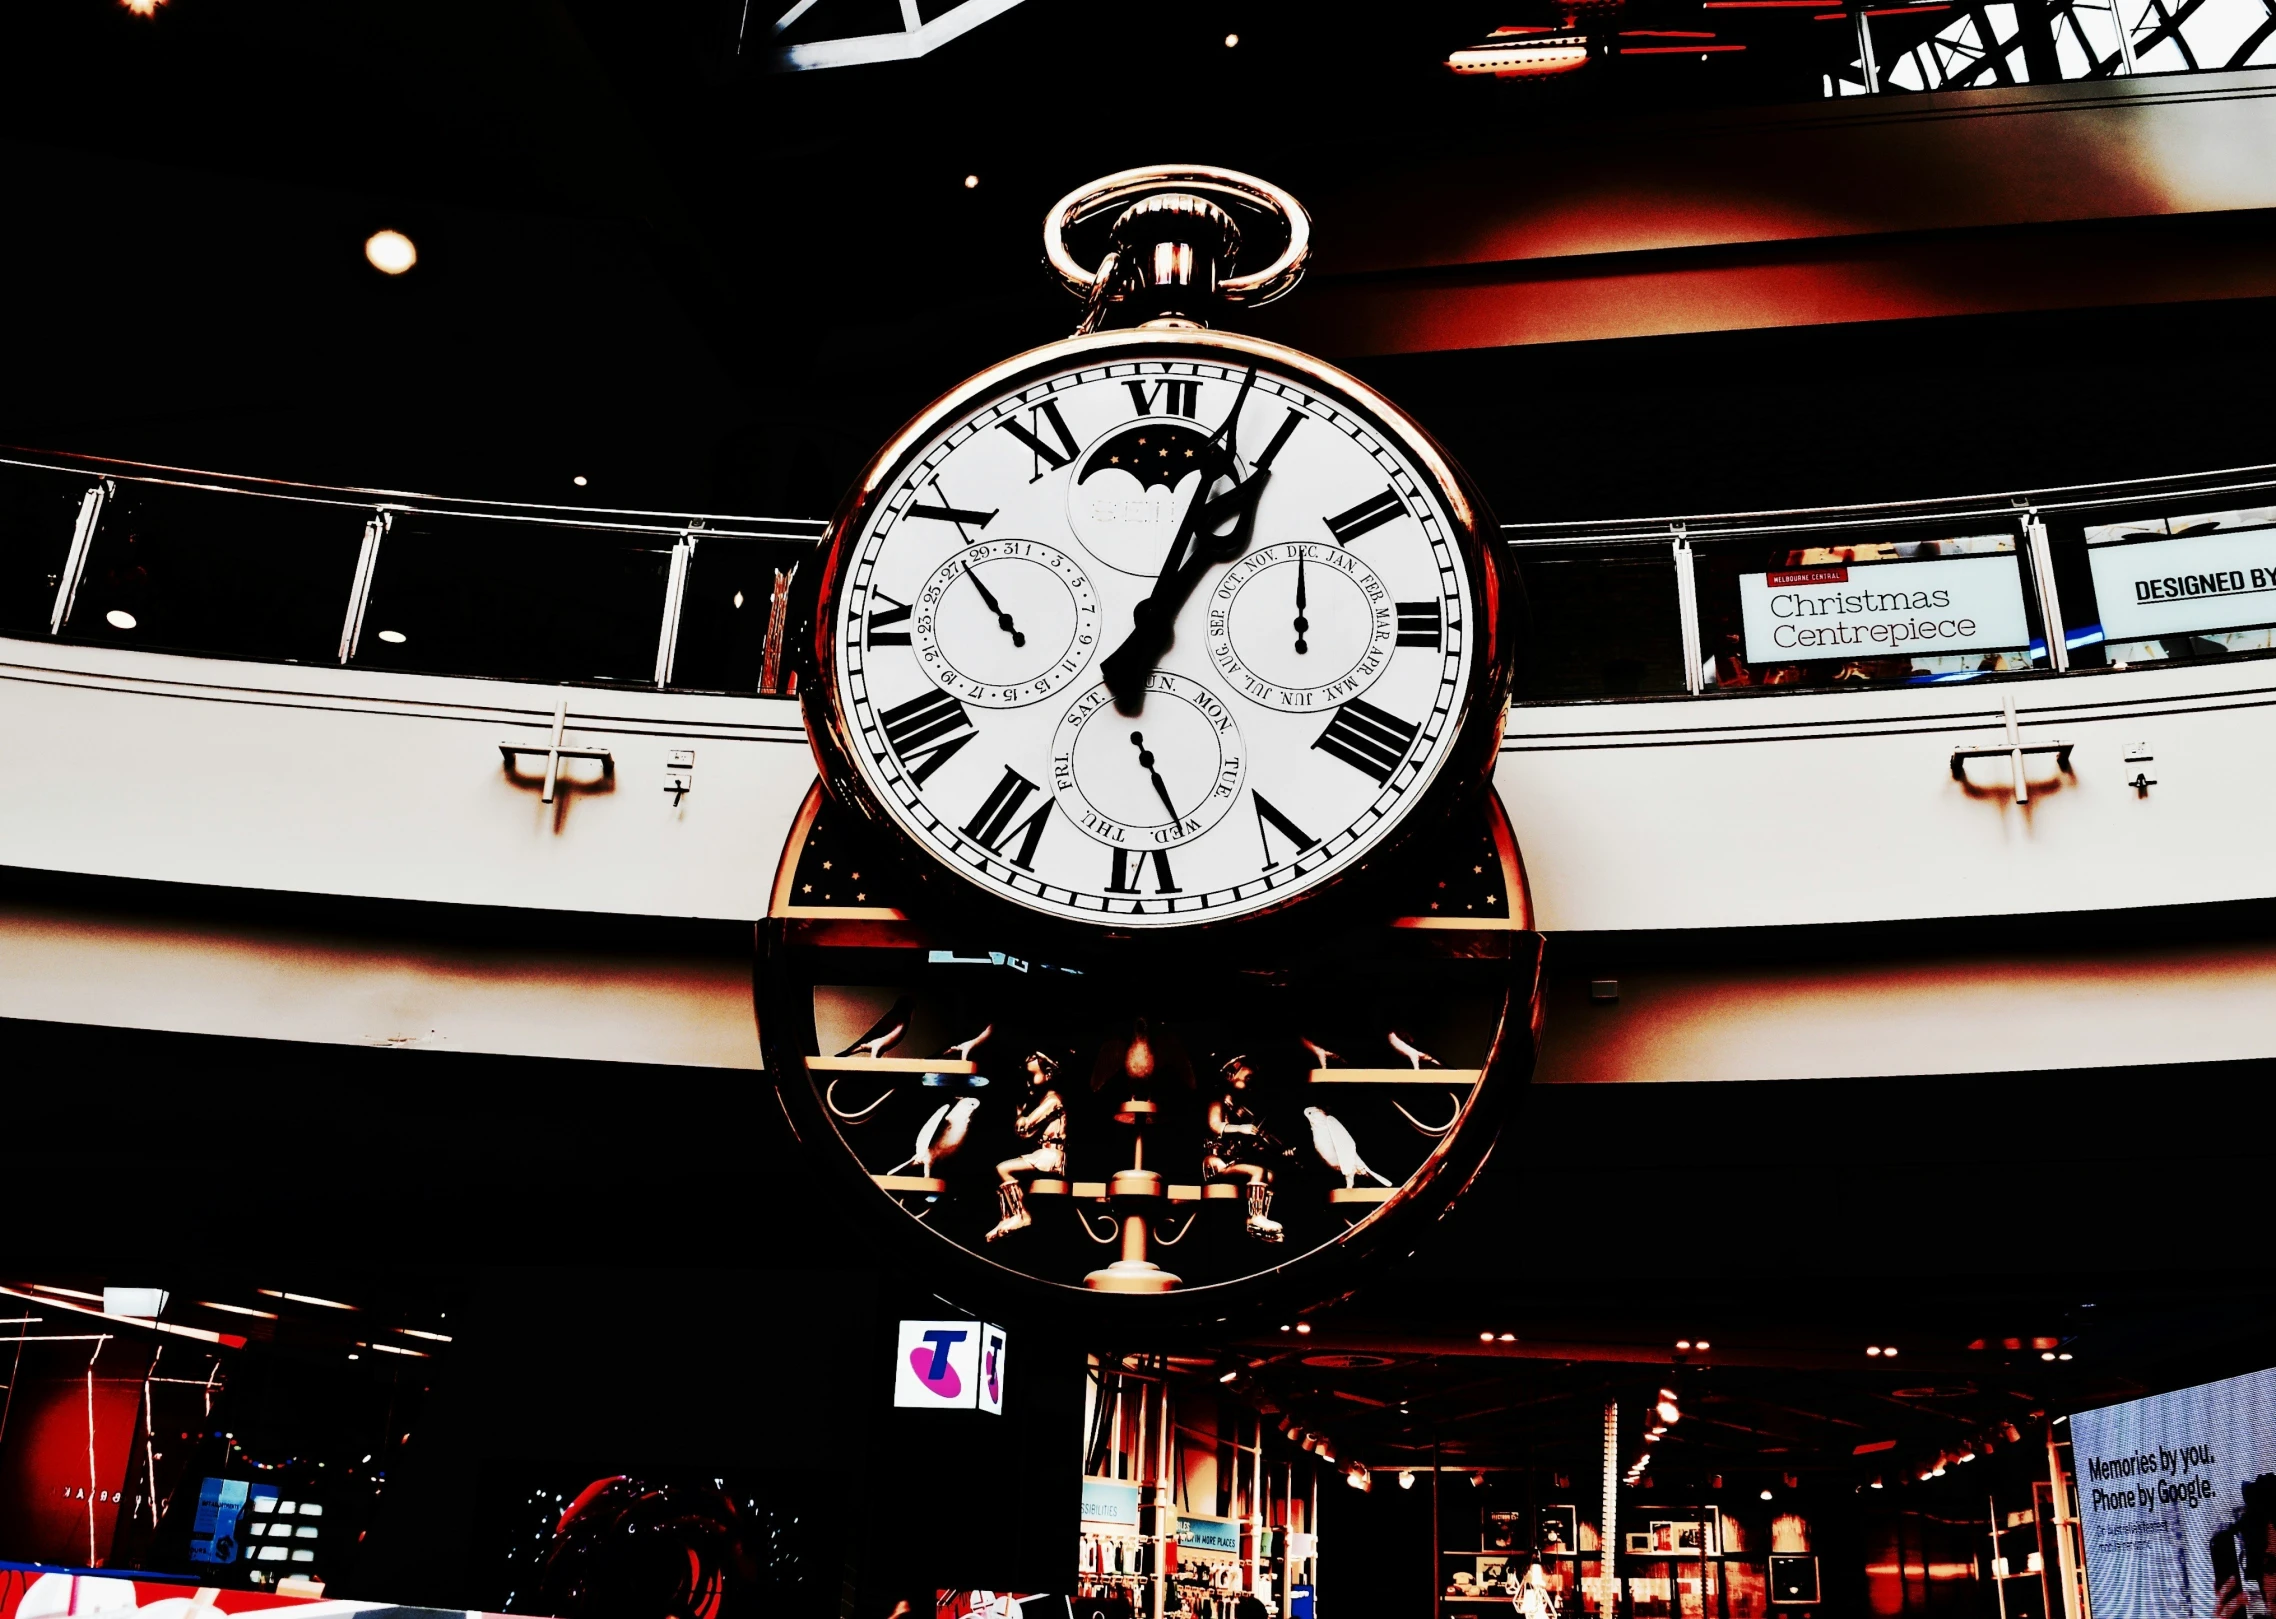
(1155, 781)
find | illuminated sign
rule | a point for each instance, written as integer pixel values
(950, 1366)
(1209, 1534)
(2175, 1497)
(1107, 1500)
(1884, 609)
(2148, 583)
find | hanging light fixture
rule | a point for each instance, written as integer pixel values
(1522, 53)
(1406, 1478)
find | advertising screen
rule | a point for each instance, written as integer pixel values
(1884, 609)
(2177, 1501)
(2179, 575)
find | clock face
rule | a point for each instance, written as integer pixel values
(1310, 566)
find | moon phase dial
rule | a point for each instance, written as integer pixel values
(1005, 623)
(1155, 781)
(1301, 624)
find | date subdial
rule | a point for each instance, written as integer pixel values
(1005, 623)
(1152, 782)
(1301, 624)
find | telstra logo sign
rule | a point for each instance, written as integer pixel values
(950, 1366)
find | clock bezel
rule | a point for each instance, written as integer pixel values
(1464, 770)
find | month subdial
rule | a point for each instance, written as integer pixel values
(1301, 624)
(1005, 623)
(1152, 782)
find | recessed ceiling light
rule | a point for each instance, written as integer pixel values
(118, 618)
(2046, 1354)
(393, 637)
(143, 8)
(1303, 1326)
(1232, 40)
(1766, 1495)
(390, 252)
(971, 182)
(579, 480)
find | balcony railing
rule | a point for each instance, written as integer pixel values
(2021, 584)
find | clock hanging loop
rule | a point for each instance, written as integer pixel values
(1173, 247)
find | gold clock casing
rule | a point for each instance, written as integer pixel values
(1457, 776)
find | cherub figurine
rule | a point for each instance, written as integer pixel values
(1238, 1145)
(1043, 1122)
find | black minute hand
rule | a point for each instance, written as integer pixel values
(1198, 545)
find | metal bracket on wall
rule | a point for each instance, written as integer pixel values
(553, 753)
(2015, 750)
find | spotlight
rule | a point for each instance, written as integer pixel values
(1232, 40)
(1357, 1476)
(1876, 1484)
(1230, 1376)
(971, 182)
(579, 480)
(1873, 1349)
(1683, 1343)
(118, 618)
(1667, 1410)
(2046, 1354)
(1406, 1478)
(1766, 1495)
(1485, 1337)
(1303, 1326)
(1511, 1338)
(1478, 1479)
(1888, 1351)
(2065, 1355)
(1703, 1345)
(390, 252)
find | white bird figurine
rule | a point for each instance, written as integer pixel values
(941, 1136)
(1336, 1148)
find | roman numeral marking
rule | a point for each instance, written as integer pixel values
(886, 626)
(1371, 513)
(1270, 816)
(950, 514)
(1127, 868)
(1367, 739)
(1281, 436)
(1418, 623)
(1171, 396)
(992, 823)
(1048, 458)
(926, 732)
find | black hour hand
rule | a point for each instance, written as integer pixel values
(1199, 546)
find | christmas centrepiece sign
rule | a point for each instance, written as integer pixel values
(2150, 584)
(2177, 1501)
(950, 1366)
(1884, 609)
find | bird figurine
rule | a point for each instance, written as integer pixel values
(962, 1050)
(941, 1136)
(1415, 1055)
(883, 1035)
(1337, 1150)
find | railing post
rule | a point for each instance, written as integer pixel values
(1687, 610)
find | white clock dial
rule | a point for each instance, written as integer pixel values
(1003, 623)
(1018, 542)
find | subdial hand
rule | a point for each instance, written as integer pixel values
(1003, 619)
(1146, 763)
(1302, 623)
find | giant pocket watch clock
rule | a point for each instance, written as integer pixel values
(1137, 667)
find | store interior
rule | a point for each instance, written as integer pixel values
(1737, 1251)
